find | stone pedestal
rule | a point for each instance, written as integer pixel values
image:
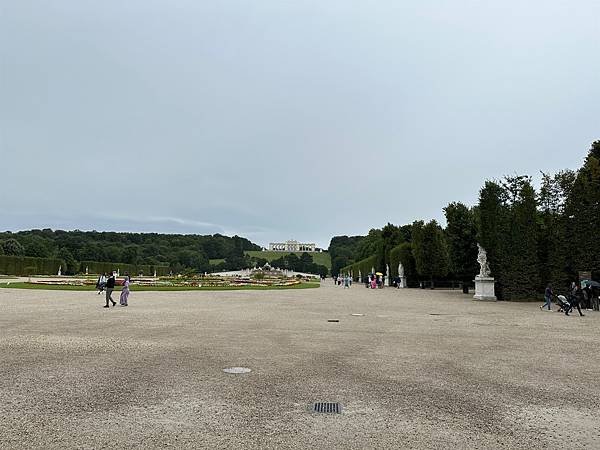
(402, 284)
(484, 289)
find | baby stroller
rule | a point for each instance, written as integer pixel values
(563, 303)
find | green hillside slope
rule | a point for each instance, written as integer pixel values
(319, 258)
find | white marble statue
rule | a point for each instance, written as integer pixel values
(484, 272)
(59, 271)
(400, 270)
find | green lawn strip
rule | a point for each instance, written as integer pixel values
(51, 287)
(214, 262)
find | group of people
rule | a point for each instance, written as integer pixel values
(585, 294)
(107, 284)
(375, 281)
(340, 280)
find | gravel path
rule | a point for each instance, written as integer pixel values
(419, 369)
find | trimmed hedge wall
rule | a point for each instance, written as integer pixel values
(28, 265)
(97, 267)
(364, 265)
(403, 254)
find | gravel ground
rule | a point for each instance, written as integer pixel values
(420, 369)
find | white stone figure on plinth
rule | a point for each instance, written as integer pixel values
(87, 271)
(372, 270)
(59, 271)
(402, 282)
(387, 275)
(484, 284)
(359, 276)
(118, 272)
(154, 273)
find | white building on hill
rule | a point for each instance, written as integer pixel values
(292, 246)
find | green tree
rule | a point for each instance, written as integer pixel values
(521, 276)
(406, 257)
(371, 245)
(12, 247)
(553, 249)
(461, 234)
(430, 250)
(391, 237)
(582, 212)
(492, 221)
(36, 247)
(71, 266)
(130, 254)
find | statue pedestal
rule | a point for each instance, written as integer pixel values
(402, 283)
(484, 289)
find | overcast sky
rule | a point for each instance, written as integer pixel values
(284, 119)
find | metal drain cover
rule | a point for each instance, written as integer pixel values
(327, 408)
(333, 320)
(237, 370)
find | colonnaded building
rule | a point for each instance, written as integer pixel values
(292, 246)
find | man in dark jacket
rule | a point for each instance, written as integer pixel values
(576, 299)
(110, 285)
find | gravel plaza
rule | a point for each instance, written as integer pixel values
(411, 368)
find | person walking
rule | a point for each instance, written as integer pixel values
(125, 292)
(595, 300)
(576, 298)
(587, 296)
(548, 297)
(101, 283)
(110, 286)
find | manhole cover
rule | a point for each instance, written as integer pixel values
(237, 370)
(327, 408)
(333, 320)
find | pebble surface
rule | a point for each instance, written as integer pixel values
(421, 369)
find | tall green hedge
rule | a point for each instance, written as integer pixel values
(364, 266)
(403, 254)
(133, 269)
(28, 265)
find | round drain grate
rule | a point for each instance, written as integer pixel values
(237, 370)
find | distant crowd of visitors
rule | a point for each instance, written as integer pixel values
(107, 284)
(581, 295)
(372, 281)
(346, 281)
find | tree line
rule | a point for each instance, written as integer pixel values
(532, 237)
(303, 264)
(178, 252)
